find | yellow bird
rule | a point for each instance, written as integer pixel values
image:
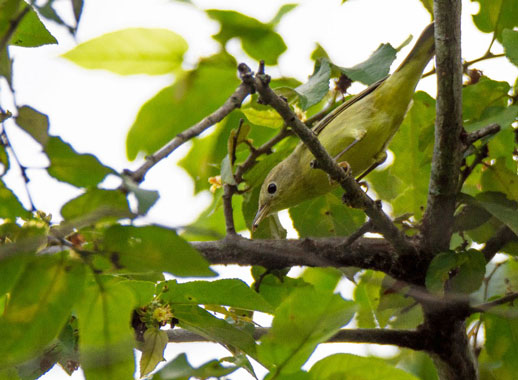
(356, 133)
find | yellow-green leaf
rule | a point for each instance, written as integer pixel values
(155, 341)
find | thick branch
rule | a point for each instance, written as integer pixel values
(401, 338)
(367, 253)
(233, 102)
(325, 162)
(446, 161)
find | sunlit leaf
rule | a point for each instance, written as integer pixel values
(495, 16)
(30, 31)
(155, 341)
(132, 51)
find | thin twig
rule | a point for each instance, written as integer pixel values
(228, 191)
(481, 133)
(465, 65)
(233, 102)
(489, 305)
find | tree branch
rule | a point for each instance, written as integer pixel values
(503, 236)
(355, 194)
(438, 219)
(489, 305)
(401, 338)
(233, 102)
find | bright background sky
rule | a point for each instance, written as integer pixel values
(93, 110)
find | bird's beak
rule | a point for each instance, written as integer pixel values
(262, 213)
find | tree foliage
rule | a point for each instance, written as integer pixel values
(88, 289)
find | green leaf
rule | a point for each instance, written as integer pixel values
(81, 170)
(322, 278)
(96, 204)
(495, 16)
(227, 292)
(177, 107)
(376, 67)
(428, 4)
(348, 366)
(482, 95)
(145, 198)
(501, 208)
(155, 342)
(367, 298)
(10, 206)
(30, 31)
(501, 345)
(503, 116)
(510, 42)
(154, 248)
(132, 51)
(106, 344)
(34, 123)
(259, 40)
(39, 306)
(306, 318)
(201, 322)
(326, 216)
(180, 369)
(283, 11)
(144, 291)
(275, 287)
(317, 86)
(263, 116)
(9, 374)
(6, 68)
(227, 176)
(462, 271)
(408, 176)
(499, 178)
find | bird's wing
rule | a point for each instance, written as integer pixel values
(338, 110)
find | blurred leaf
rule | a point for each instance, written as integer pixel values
(322, 278)
(510, 43)
(319, 52)
(428, 4)
(154, 248)
(10, 206)
(259, 40)
(501, 345)
(498, 178)
(408, 176)
(107, 341)
(201, 322)
(503, 116)
(6, 66)
(180, 369)
(326, 216)
(11, 269)
(9, 374)
(77, 6)
(482, 95)
(376, 67)
(30, 31)
(143, 291)
(367, 297)
(132, 51)
(145, 198)
(418, 363)
(462, 271)
(155, 342)
(227, 176)
(96, 203)
(317, 86)
(348, 366)
(177, 107)
(34, 123)
(501, 208)
(283, 11)
(304, 319)
(39, 306)
(81, 170)
(263, 116)
(495, 16)
(227, 292)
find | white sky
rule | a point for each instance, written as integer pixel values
(93, 110)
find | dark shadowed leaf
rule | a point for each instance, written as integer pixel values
(154, 248)
(81, 170)
(34, 123)
(180, 369)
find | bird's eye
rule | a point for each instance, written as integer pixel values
(272, 188)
